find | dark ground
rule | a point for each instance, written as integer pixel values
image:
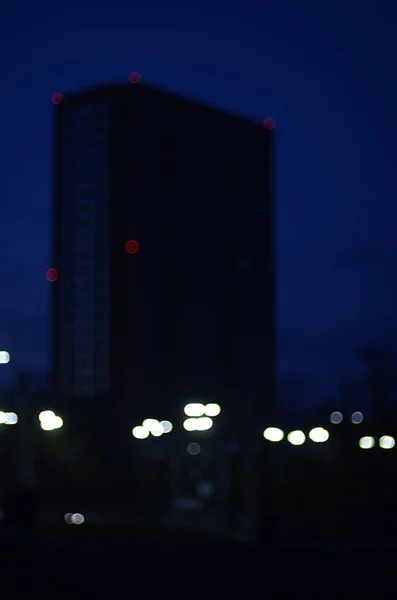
(96, 561)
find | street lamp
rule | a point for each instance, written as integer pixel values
(4, 357)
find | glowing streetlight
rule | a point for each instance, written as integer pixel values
(387, 442)
(194, 409)
(212, 410)
(198, 424)
(273, 434)
(319, 435)
(366, 442)
(4, 357)
(49, 420)
(296, 438)
(140, 433)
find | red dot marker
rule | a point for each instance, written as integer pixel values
(134, 77)
(52, 275)
(132, 247)
(269, 123)
(57, 98)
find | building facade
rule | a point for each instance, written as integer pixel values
(164, 256)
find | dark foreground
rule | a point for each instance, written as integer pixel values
(158, 562)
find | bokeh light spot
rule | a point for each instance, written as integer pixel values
(134, 77)
(57, 98)
(269, 123)
(132, 247)
(52, 275)
(194, 448)
(336, 417)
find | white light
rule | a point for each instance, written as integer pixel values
(4, 357)
(336, 417)
(387, 442)
(3, 417)
(57, 422)
(200, 424)
(11, 418)
(47, 426)
(49, 420)
(150, 424)
(77, 519)
(46, 415)
(212, 410)
(157, 431)
(296, 438)
(366, 442)
(194, 409)
(190, 424)
(357, 417)
(167, 426)
(204, 423)
(319, 435)
(273, 434)
(140, 433)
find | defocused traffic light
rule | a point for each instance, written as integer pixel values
(132, 246)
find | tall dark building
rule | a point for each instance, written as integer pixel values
(164, 256)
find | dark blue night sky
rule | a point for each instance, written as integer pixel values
(326, 71)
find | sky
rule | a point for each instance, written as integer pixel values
(325, 71)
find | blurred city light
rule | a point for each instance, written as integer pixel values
(49, 420)
(366, 442)
(387, 442)
(78, 519)
(189, 424)
(8, 418)
(273, 434)
(357, 417)
(204, 423)
(157, 431)
(194, 448)
(153, 426)
(4, 357)
(319, 435)
(198, 424)
(11, 418)
(74, 519)
(194, 409)
(336, 417)
(167, 426)
(296, 438)
(140, 433)
(212, 410)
